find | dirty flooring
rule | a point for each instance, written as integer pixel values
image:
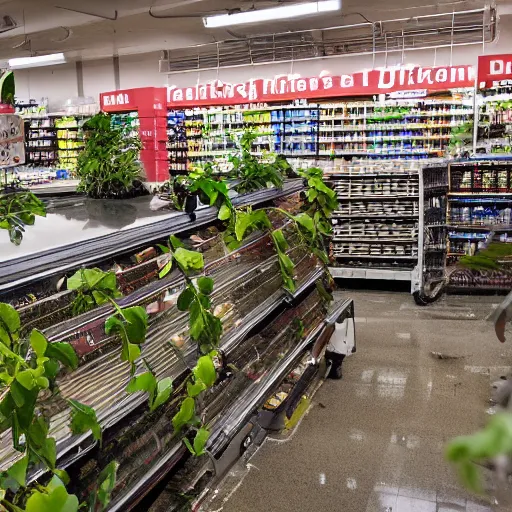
(373, 442)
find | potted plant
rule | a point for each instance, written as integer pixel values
(109, 166)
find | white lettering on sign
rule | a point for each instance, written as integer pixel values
(347, 81)
(116, 99)
(282, 87)
(500, 67)
(390, 82)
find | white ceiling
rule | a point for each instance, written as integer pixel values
(43, 27)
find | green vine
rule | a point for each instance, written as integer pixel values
(18, 210)
(28, 369)
(94, 288)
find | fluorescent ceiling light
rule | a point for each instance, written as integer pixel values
(277, 13)
(40, 60)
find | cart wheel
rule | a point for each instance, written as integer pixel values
(418, 299)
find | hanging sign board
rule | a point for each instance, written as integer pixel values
(378, 81)
(494, 68)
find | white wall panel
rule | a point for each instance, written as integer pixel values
(98, 77)
(57, 83)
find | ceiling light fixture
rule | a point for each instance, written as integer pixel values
(277, 13)
(34, 62)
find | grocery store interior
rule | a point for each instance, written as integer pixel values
(255, 256)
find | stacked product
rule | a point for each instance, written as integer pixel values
(478, 213)
(375, 228)
(392, 129)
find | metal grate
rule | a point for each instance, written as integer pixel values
(433, 31)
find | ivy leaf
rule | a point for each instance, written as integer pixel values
(242, 223)
(113, 324)
(304, 220)
(196, 320)
(200, 441)
(470, 477)
(163, 392)
(163, 248)
(83, 419)
(9, 324)
(26, 379)
(260, 218)
(189, 260)
(224, 212)
(38, 342)
(176, 243)
(321, 255)
(137, 324)
(280, 240)
(184, 415)
(195, 389)
(286, 262)
(51, 369)
(56, 500)
(185, 299)
(130, 352)
(64, 353)
(18, 471)
(166, 269)
(205, 371)
(205, 285)
(107, 481)
(144, 382)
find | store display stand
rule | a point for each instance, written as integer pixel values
(375, 229)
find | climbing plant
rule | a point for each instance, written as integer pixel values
(93, 288)
(29, 367)
(253, 173)
(18, 210)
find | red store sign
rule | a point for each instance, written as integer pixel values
(356, 84)
(493, 68)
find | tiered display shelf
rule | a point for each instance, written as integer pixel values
(403, 129)
(478, 212)
(375, 229)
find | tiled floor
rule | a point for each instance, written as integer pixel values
(374, 441)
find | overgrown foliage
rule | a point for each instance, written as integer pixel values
(108, 167)
(18, 210)
(491, 258)
(483, 446)
(252, 173)
(94, 288)
(29, 367)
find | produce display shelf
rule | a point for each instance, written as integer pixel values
(19, 271)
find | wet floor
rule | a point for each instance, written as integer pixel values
(373, 442)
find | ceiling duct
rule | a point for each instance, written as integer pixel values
(432, 31)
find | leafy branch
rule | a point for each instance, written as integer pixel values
(28, 369)
(18, 210)
(94, 288)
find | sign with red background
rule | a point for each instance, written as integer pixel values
(493, 68)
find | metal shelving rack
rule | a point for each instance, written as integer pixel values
(375, 229)
(478, 211)
(432, 240)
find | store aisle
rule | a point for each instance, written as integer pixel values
(374, 441)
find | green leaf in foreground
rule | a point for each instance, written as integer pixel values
(184, 415)
(56, 499)
(83, 419)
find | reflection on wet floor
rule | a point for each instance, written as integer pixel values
(421, 376)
